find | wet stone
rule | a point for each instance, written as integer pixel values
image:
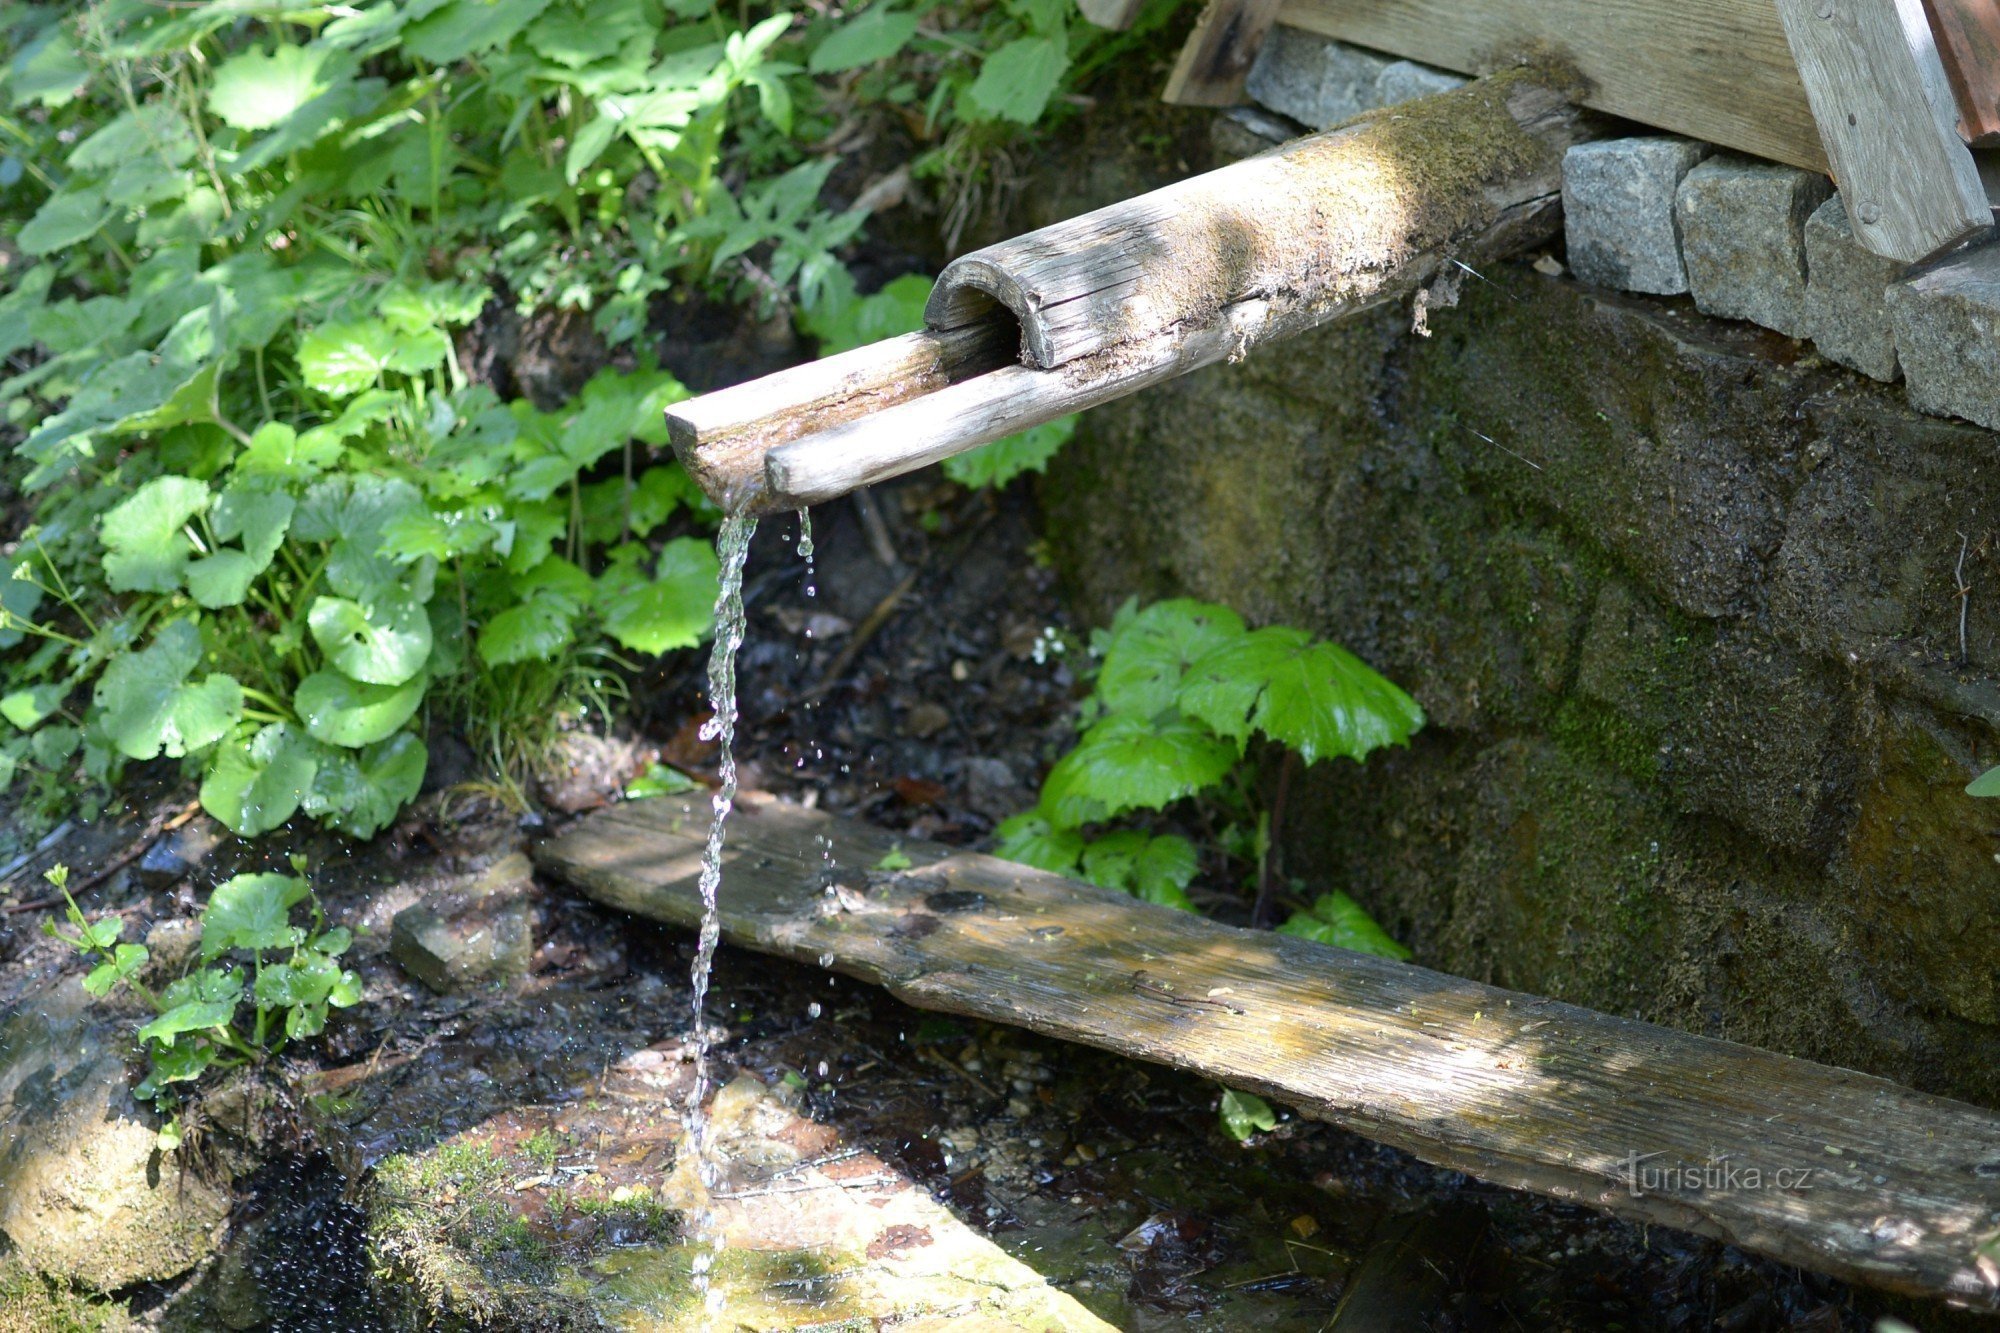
(1847, 310)
(176, 853)
(1618, 211)
(470, 931)
(1742, 225)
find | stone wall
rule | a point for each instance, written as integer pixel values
(1681, 601)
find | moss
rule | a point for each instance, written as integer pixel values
(1592, 731)
(32, 1304)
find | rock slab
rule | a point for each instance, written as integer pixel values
(1618, 211)
(1847, 285)
(1947, 322)
(1742, 225)
(469, 931)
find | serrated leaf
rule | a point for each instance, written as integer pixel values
(255, 90)
(126, 960)
(1338, 920)
(1245, 1113)
(307, 979)
(1150, 652)
(252, 912)
(254, 787)
(671, 610)
(874, 34)
(360, 792)
(535, 630)
(67, 218)
(342, 359)
(575, 38)
(1033, 840)
(150, 706)
(144, 547)
(382, 642)
(1017, 80)
(350, 713)
(195, 1016)
(1316, 697)
(466, 27)
(277, 451)
(1131, 763)
(1155, 869)
(1000, 462)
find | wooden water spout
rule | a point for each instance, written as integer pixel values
(1381, 209)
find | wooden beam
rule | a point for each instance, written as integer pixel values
(1968, 39)
(1713, 69)
(1889, 122)
(1215, 62)
(1157, 286)
(1825, 1168)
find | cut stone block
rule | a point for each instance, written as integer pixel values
(476, 929)
(1847, 312)
(1618, 211)
(1314, 80)
(1947, 322)
(1743, 227)
(1405, 80)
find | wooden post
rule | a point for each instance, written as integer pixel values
(1968, 37)
(1215, 63)
(1156, 286)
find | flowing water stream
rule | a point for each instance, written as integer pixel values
(732, 548)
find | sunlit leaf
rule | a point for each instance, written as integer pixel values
(1338, 920)
(1130, 763)
(383, 642)
(1033, 840)
(152, 705)
(252, 912)
(1149, 652)
(1245, 1113)
(1316, 697)
(876, 33)
(1016, 81)
(347, 712)
(1001, 461)
(670, 610)
(255, 786)
(255, 90)
(144, 547)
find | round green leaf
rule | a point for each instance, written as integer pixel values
(342, 711)
(255, 787)
(670, 611)
(151, 707)
(144, 547)
(359, 792)
(252, 912)
(1033, 840)
(384, 642)
(256, 91)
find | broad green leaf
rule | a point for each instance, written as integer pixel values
(1245, 1114)
(534, 630)
(144, 547)
(1338, 920)
(253, 90)
(356, 514)
(574, 38)
(20, 598)
(1316, 697)
(256, 516)
(30, 707)
(47, 70)
(307, 979)
(1017, 80)
(876, 33)
(1000, 462)
(175, 1064)
(195, 1016)
(1031, 839)
(673, 609)
(1156, 869)
(1130, 763)
(68, 218)
(342, 359)
(360, 792)
(845, 321)
(466, 27)
(659, 780)
(252, 912)
(150, 706)
(126, 959)
(1986, 784)
(276, 450)
(383, 642)
(254, 787)
(1150, 652)
(349, 713)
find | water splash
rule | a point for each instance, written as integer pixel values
(732, 547)
(806, 550)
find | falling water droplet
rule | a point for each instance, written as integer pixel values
(813, 1010)
(806, 550)
(826, 960)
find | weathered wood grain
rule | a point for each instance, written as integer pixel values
(722, 437)
(1326, 219)
(1968, 38)
(1881, 1184)
(1215, 62)
(1714, 69)
(1889, 122)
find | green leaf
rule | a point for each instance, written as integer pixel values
(1338, 920)
(1313, 696)
(673, 609)
(252, 912)
(1000, 462)
(874, 34)
(67, 218)
(277, 451)
(383, 642)
(1032, 839)
(1017, 80)
(1986, 784)
(1245, 1114)
(1130, 763)
(575, 38)
(894, 859)
(174, 1064)
(307, 979)
(1150, 652)
(253, 90)
(659, 780)
(342, 359)
(144, 547)
(195, 1016)
(259, 518)
(151, 707)
(533, 631)
(1156, 869)
(106, 977)
(350, 713)
(466, 27)
(360, 792)
(29, 708)
(255, 787)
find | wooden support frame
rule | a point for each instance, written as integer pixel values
(1968, 38)
(1854, 1175)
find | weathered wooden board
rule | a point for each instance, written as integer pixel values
(1968, 38)
(1714, 69)
(1215, 62)
(1889, 122)
(1821, 1167)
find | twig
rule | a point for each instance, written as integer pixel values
(876, 529)
(863, 632)
(1964, 597)
(1504, 449)
(161, 823)
(49, 839)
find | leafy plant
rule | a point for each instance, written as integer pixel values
(1244, 1114)
(293, 979)
(1182, 689)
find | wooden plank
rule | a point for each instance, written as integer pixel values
(1153, 287)
(1881, 1185)
(1714, 69)
(1968, 39)
(1215, 62)
(1889, 123)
